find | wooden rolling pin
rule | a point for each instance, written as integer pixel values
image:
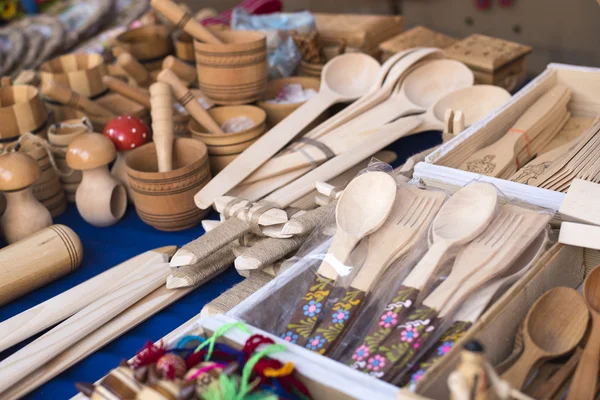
(185, 97)
(132, 93)
(185, 72)
(66, 96)
(134, 69)
(37, 260)
(162, 124)
(184, 20)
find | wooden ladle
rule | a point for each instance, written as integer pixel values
(554, 326)
(345, 78)
(585, 381)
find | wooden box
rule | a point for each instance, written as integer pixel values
(419, 36)
(360, 32)
(494, 61)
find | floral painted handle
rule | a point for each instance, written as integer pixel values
(393, 314)
(308, 313)
(442, 347)
(402, 344)
(333, 325)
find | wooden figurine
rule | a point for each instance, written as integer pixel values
(469, 380)
(126, 133)
(24, 215)
(101, 199)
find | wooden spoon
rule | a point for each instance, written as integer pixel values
(553, 327)
(361, 210)
(585, 381)
(344, 78)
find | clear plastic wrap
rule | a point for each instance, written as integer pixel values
(411, 287)
(283, 55)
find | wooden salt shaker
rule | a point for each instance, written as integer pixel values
(24, 215)
(101, 199)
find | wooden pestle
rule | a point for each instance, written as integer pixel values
(185, 97)
(68, 97)
(184, 20)
(185, 72)
(136, 94)
(162, 124)
(134, 69)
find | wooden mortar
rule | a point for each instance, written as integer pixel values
(149, 44)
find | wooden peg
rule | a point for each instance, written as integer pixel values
(162, 124)
(458, 123)
(134, 69)
(448, 132)
(68, 97)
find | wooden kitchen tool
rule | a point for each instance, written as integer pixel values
(185, 72)
(270, 217)
(584, 383)
(162, 124)
(554, 325)
(81, 73)
(62, 306)
(24, 214)
(184, 20)
(21, 111)
(580, 203)
(134, 70)
(131, 92)
(70, 98)
(149, 44)
(363, 208)
(45, 348)
(345, 78)
(37, 260)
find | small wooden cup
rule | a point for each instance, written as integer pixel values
(120, 106)
(21, 110)
(82, 73)
(234, 72)
(149, 44)
(224, 148)
(165, 200)
(277, 112)
(184, 47)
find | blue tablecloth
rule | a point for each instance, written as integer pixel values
(106, 247)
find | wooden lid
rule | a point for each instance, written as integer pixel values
(419, 36)
(17, 171)
(90, 150)
(486, 53)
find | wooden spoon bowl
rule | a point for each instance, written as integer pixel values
(475, 102)
(350, 75)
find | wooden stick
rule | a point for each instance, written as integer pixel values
(185, 97)
(184, 20)
(66, 96)
(134, 69)
(86, 321)
(139, 312)
(162, 124)
(185, 72)
(62, 306)
(136, 94)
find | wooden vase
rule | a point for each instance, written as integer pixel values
(21, 111)
(165, 200)
(82, 73)
(224, 148)
(24, 215)
(101, 199)
(149, 44)
(234, 72)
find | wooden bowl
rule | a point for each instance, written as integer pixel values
(234, 72)
(148, 44)
(224, 148)
(120, 106)
(82, 73)
(184, 47)
(165, 200)
(22, 110)
(277, 112)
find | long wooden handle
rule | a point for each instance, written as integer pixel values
(185, 97)
(185, 72)
(162, 124)
(584, 383)
(134, 69)
(428, 266)
(62, 306)
(184, 21)
(132, 93)
(518, 373)
(68, 97)
(86, 321)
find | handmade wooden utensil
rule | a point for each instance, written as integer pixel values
(413, 211)
(584, 383)
(162, 124)
(345, 78)
(185, 72)
(131, 92)
(70, 98)
(536, 167)
(551, 386)
(134, 70)
(362, 209)
(185, 97)
(554, 325)
(184, 20)
(580, 235)
(234, 228)
(580, 203)
(45, 348)
(62, 306)
(24, 215)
